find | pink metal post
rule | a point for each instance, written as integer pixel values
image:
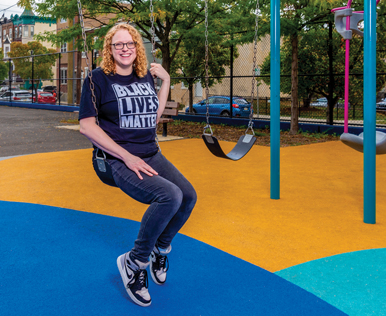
(346, 68)
(347, 73)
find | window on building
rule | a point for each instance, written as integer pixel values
(63, 20)
(83, 54)
(4, 33)
(63, 75)
(85, 72)
(183, 85)
(63, 48)
(198, 89)
(20, 31)
(16, 32)
(32, 31)
(10, 33)
(25, 30)
(6, 52)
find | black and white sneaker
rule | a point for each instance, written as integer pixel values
(134, 277)
(159, 264)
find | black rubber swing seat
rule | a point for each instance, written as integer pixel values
(356, 142)
(242, 147)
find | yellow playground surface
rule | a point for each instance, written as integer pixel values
(319, 214)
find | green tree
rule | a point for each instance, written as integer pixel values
(175, 21)
(298, 15)
(42, 64)
(3, 67)
(190, 61)
(313, 53)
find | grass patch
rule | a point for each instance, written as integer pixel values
(70, 121)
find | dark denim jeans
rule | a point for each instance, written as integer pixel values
(171, 198)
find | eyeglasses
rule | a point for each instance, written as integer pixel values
(120, 46)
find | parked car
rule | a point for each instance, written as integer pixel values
(322, 102)
(381, 105)
(6, 88)
(16, 95)
(49, 88)
(220, 105)
(53, 90)
(45, 97)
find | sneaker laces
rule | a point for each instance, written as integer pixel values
(142, 279)
(163, 263)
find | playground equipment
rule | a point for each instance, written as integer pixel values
(246, 141)
(102, 167)
(367, 142)
(346, 23)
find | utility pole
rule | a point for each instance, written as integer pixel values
(330, 119)
(70, 68)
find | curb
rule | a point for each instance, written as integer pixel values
(52, 107)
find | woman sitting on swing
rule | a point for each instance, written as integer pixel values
(128, 111)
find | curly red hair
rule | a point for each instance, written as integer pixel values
(108, 63)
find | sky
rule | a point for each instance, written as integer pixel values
(4, 4)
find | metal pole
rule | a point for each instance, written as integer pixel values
(60, 77)
(32, 79)
(10, 80)
(231, 82)
(369, 87)
(331, 74)
(275, 99)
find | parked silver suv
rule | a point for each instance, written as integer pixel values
(6, 88)
(16, 95)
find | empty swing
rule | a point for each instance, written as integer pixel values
(246, 141)
(346, 22)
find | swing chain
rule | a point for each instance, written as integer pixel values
(153, 54)
(152, 30)
(206, 69)
(250, 124)
(85, 47)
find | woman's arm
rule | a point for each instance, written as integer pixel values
(160, 72)
(99, 138)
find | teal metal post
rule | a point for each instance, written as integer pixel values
(275, 99)
(369, 87)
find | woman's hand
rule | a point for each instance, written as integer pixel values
(99, 138)
(158, 71)
(137, 165)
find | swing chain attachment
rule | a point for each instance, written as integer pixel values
(250, 124)
(206, 70)
(85, 47)
(250, 127)
(210, 129)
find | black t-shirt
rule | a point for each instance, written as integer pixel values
(127, 109)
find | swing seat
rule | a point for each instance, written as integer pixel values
(356, 142)
(242, 147)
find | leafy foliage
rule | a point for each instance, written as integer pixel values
(42, 64)
(189, 63)
(313, 57)
(176, 22)
(3, 66)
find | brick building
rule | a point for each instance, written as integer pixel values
(22, 29)
(72, 67)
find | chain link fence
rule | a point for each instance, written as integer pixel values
(70, 69)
